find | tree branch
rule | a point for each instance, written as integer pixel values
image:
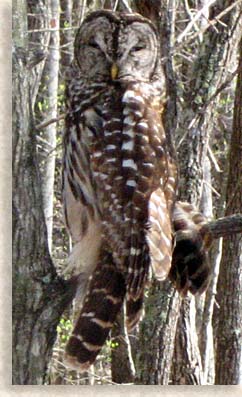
(183, 41)
(222, 86)
(223, 227)
(51, 121)
(193, 21)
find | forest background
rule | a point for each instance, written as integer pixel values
(189, 341)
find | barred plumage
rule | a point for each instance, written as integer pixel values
(190, 269)
(119, 174)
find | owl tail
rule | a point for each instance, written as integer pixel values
(138, 269)
(102, 303)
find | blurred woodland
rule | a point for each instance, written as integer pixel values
(180, 341)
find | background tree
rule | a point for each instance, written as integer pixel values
(39, 295)
(229, 336)
(199, 47)
(50, 84)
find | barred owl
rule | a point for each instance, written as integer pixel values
(119, 175)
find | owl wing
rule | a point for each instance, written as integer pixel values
(160, 234)
(80, 206)
(159, 239)
(83, 201)
(156, 186)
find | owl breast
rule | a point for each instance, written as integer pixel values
(128, 161)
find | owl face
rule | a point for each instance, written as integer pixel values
(127, 41)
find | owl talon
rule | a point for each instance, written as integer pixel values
(190, 270)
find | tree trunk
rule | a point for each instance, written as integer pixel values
(66, 36)
(157, 334)
(187, 366)
(50, 79)
(208, 71)
(206, 337)
(39, 295)
(194, 130)
(229, 297)
(123, 370)
(38, 42)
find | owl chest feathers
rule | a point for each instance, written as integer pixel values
(126, 145)
(118, 150)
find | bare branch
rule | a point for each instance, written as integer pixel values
(212, 188)
(223, 227)
(213, 22)
(39, 127)
(223, 86)
(126, 5)
(193, 21)
(52, 29)
(83, 9)
(213, 160)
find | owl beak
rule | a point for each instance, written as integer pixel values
(114, 71)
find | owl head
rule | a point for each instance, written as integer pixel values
(117, 47)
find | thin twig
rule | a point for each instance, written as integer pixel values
(212, 188)
(213, 22)
(44, 141)
(49, 153)
(39, 127)
(222, 86)
(193, 21)
(83, 10)
(125, 3)
(213, 159)
(115, 5)
(52, 29)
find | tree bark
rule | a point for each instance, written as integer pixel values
(207, 71)
(204, 303)
(39, 295)
(66, 37)
(38, 41)
(229, 297)
(123, 370)
(50, 80)
(194, 128)
(157, 334)
(187, 366)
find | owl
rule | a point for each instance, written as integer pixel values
(119, 176)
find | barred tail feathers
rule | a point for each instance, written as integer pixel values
(102, 303)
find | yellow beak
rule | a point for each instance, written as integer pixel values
(114, 71)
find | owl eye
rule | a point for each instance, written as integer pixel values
(138, 48)
(92, 43)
